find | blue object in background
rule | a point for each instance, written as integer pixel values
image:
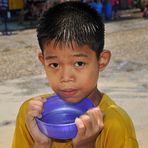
(97, 6)
(108, 10)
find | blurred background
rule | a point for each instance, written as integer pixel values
(125, 79)
(31, 10)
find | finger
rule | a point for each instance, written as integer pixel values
(93, 117)
(99, 115)
(30, 120)
(32, 127)
(36, 102)
(80, 126)
(96, 117)
(42, 99)
(95, 113)
(32, 114)
(100, 120)
(87, 123)
(35, 105)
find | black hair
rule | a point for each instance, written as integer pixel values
(72, 21)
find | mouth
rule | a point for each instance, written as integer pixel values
(69, 92)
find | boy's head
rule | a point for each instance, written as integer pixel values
(71, 37)
(72, 22)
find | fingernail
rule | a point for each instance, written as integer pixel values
(81, 125)
(97, 108)
(76, 119)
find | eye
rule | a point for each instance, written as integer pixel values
(80, 64)
(54, 65)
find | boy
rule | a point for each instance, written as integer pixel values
(71, 38)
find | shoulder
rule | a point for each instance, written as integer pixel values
(116, 119)
(118, 126)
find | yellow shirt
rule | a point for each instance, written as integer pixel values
(118, 129)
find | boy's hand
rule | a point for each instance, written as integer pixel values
(35, 109)
(89, 126)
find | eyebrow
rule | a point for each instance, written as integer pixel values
(80, 55)
(50, 57)
(75, 55)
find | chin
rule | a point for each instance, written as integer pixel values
(71, 100)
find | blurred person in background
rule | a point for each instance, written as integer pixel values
(4, 14)
(145, 11)
(115, 6)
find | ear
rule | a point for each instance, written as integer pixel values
(104, 59)
(41, 58)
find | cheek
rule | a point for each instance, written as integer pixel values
(50, 76)
(52, 81)
(89, 78)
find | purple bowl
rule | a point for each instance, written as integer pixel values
(58, 117)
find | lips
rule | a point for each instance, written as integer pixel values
(68, 92)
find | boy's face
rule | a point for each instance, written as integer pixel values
(72, 72)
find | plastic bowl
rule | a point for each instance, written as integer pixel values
(58, 117)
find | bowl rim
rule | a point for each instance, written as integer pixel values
(57, 125)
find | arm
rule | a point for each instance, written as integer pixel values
(35, 108)
(89, 126)
(22, 137)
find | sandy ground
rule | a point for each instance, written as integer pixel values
(125, 79)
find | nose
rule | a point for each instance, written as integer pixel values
(66, 74)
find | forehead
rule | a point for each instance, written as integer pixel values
(73, 46)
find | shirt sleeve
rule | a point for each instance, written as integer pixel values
(21, 137)
(118, 132)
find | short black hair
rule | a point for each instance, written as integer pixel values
(72, 21)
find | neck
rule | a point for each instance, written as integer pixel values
(96, 96)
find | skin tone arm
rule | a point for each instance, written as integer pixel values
(34, 110)
(89, 126)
